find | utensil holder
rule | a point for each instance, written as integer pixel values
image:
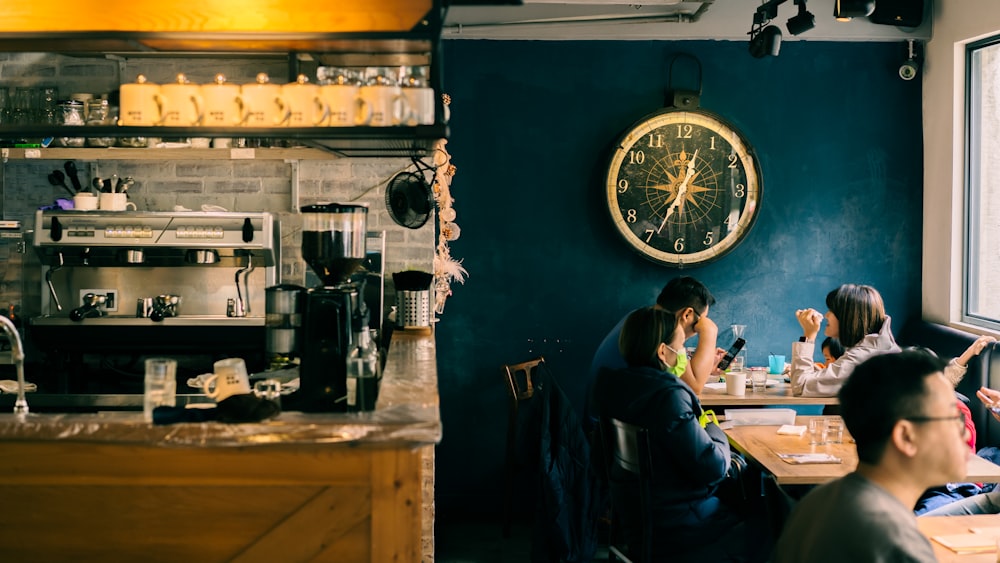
(413, 308)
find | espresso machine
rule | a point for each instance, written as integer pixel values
(333, 245)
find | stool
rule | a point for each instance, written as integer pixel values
(520, 387)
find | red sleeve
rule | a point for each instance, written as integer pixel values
(969, 425)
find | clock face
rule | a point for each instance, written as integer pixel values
(683, 187)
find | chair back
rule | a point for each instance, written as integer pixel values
(627, 446)
(519, 379)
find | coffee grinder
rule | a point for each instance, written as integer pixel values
(333, 244)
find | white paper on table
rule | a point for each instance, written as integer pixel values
(809, 458)
(791, 430)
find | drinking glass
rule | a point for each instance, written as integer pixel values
(817, 431)
(758, 379)
(835, 431)
(161, 385)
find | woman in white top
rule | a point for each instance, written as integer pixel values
(857, 318)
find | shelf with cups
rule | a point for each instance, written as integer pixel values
(403, 141)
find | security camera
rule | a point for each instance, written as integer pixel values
(908, 70)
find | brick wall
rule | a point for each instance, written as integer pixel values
(241, 185)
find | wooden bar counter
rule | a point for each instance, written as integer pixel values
(302, 487)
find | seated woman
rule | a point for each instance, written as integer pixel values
(690, 454)
(856, 317)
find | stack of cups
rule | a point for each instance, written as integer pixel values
(161, 385)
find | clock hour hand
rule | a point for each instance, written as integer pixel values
(681, 191)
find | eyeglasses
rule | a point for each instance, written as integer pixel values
(958, 418)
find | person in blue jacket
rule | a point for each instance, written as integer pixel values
(690, 453)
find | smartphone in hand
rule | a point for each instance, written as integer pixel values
(731, 353)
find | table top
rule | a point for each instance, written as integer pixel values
(944, 525)
(779, 394)
(762, 444)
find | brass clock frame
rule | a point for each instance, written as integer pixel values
(698, 155)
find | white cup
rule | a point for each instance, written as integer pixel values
(264, 104)
(346, 106)
(736, 383)
(115, 202)
(85, 201)
(139, 104)
(421, 104)
(388, 105)
(160, 385)
(306, 107)
(223, 104)
(229, 378)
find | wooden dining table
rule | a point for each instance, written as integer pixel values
(777, 394)
(932, 526)
(762, 444)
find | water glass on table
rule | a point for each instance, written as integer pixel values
(817, 431)
(835, 431)
(758, 380)
(160, 386)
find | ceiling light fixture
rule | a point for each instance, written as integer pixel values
(845, 10)
(765, 40)
(801, 22)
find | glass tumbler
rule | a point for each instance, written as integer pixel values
(160, 386)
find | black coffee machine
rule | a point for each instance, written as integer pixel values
(333, 244)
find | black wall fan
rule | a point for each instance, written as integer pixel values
(409, 200)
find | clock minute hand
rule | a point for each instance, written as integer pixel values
(681, 191)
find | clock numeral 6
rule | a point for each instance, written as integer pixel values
(636, 157)
(622, 186)
(679, 245)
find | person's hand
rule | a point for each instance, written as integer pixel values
(719, 354)
(706, 327)
(990, 399)
(975, 349)
(810, 320)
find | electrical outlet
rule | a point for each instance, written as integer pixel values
(110, 298)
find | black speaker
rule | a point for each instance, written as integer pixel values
(904, 13)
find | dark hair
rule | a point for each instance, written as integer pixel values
(683, 292)
(880, 392)
(836, 348)
(859, 311)
(643, 332)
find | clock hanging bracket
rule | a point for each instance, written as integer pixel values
(684, 93)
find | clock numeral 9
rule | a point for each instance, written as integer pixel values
(622, 186)
(630, 216)
(679, 245)
(684, 130)
(636, 157)
(739, 190)
(709, 238)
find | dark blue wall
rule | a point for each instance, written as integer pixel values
(838, 135)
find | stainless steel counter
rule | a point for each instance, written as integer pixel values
(407, 412)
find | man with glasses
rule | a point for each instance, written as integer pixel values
(909, 432)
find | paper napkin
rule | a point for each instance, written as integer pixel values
(809, 458)
(791, 430)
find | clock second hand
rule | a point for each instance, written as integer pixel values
(681, 191)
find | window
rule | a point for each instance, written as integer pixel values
(982, 180)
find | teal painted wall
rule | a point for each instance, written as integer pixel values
(838, 135)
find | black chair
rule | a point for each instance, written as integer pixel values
(627, 446)
(520, 387)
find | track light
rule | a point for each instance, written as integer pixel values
(844, 10)
(765, 40)
(801, 22)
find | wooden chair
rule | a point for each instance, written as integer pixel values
(627, 446)
(520, 387)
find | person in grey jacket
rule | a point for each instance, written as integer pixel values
(856, 316)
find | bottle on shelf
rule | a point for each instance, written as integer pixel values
(363, 373)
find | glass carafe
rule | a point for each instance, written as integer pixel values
(740, 359)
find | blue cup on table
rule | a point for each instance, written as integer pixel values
(775, 364)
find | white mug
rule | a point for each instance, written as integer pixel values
(85, 201)
(224, 105)
(306, 106)
(139, 104)
(346, 106)
(115, 202)
(421, 105)
(736, 383)
(264, 104)
(388, 105)
(229, 378)
(182, 104)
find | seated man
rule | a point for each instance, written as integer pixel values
(909, 432)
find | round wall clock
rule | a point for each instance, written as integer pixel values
(683, 187)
